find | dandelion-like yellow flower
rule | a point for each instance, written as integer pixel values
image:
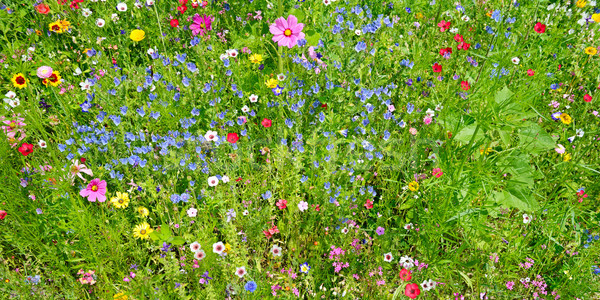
(581, 3)
(485, 151)
(142, 231)
(227, 248)
(256, 58)
(137, 35)
(144, 212)
(413, 186)
(565, 118)
(272, 83)
(596, 18)
(120, 296)
(419, 16)
(566, 156)
(121, 200)
(590, 51)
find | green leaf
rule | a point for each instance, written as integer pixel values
(176, 240)
(503, 95)
(465, 134)
(155, 236)
(534, 139)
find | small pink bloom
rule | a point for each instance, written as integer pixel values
(282, 204)
(437, 172)
(44, 72)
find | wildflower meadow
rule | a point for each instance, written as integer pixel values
(299, 149)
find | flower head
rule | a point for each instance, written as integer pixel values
(44, 72)
(287, 32)
(121, 200)
(137, 35)
(201, 24)
(142, 231)
(19, 80)
(96, 189)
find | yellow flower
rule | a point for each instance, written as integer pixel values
(272, 83)
(590, 50)
(137, 35)
(227, 248)
(53, 80)
(565, 118)
(566, 156)
(144, 212)
(413, 186)
(59, 26)
(142, 231)
(121, 200)
(581, 3)
(596, 18)
(120, 296)
(419, 15)
(256, 58)
(19, 80)
(486, 151)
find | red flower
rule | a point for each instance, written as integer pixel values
(324, 105)
(26, 149)
(266, 122)
(412, 290)
(42, 8)
(2, 214)
(437, 68)
(232, 137)
(459, 38)
(445, 50)
(174, 23)
(369, 204)
(82, 160)
(587, 98)
(465, 85)
(182, 9)
(463, 46)
(281, 204)
(405, 275)
(539, 27)
(444, 25)
(530, 72)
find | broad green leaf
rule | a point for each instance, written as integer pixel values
(466, 133)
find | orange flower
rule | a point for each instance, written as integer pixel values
(42, 8)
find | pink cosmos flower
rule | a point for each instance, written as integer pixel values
(201, 25)
(96, 189)
(287, 32)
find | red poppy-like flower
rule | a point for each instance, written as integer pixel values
(232, 137)
(437, 68)
(42, 8)
(539, 27)
(412, 290)
(405, 275)
(443, 51)
(369, 204)
(463, 46)
(324, 105)
(530, 72)
(2, 214)
(444, 25)
(459, 38)
(281, 204)
(182, 9)
(587, 98)
(26, 149)
(266, 122)
(174, 23)
(465, 85)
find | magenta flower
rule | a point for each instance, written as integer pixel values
(201, 25)
(96, 189)
(287, 32)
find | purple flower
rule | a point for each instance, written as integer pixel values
(380, 230)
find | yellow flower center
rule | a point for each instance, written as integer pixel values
(121, 201)
(143, 231)
(287, 32)
(94, 188)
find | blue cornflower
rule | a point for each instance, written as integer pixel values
(361, 46)
(250, 286)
